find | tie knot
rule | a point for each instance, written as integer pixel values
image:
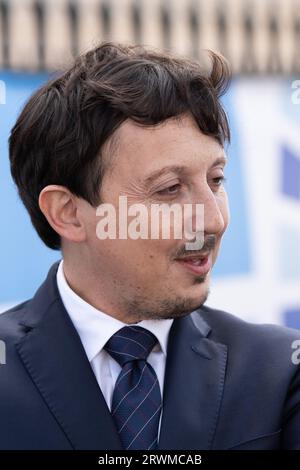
(130, 343)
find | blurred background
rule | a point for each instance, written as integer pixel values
(257, 275)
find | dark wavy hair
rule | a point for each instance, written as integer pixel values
(59, 136)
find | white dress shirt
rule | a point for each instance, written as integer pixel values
(95, 328)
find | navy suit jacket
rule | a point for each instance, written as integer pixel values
(229, 384)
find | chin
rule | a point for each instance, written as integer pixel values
(196, 298)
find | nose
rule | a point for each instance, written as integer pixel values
(215, 212)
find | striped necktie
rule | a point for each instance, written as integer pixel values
(136, 401)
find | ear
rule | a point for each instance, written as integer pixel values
(60, 207)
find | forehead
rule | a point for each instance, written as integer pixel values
(143, 151)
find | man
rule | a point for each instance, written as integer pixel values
(117, 350)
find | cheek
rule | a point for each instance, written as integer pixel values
(151, 258)
(141, 255)
(90, 221)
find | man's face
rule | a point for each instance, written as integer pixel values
(170, 163)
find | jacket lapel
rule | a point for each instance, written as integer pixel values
(54, 357)
(193, 386)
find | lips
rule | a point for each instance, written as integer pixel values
(199, 265)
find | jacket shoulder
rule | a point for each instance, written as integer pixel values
(247, 337)
(11, 319)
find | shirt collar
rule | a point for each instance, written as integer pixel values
(96, 327)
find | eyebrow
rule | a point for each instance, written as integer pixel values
(167, 169)
(180, 170)
(219, 161)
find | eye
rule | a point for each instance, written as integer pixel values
(219, 180)
(171, 190)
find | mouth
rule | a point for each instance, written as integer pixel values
(196, 264)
